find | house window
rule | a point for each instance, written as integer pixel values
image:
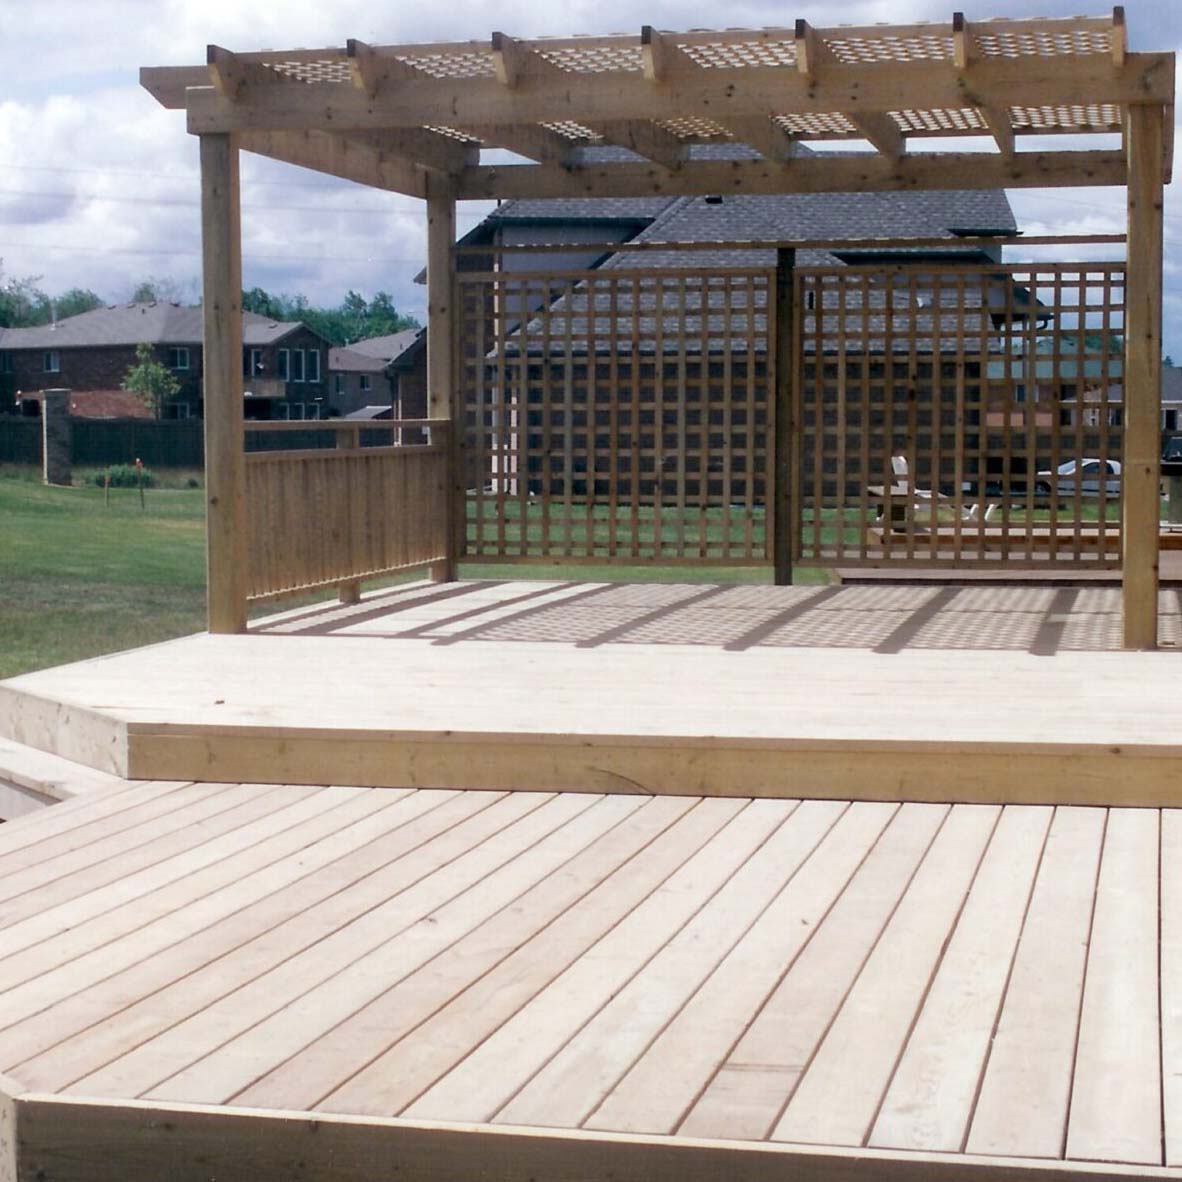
(313, 365)
(338, 383)
(179, 410)
(1169, 420)
(178, 358)
(295, 410)
(365, 383)
(313, 410)
(256, 362)
(51, 362)
(284, 363)
(297, 365)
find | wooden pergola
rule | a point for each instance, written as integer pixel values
(416, 119)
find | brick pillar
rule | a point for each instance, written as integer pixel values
(56, 435)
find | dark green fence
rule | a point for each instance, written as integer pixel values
(20, 440)
(98, 442)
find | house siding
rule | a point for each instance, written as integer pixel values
(105, 367)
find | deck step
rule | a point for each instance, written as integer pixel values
(31, 779)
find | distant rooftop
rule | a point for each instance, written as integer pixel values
(155, 323)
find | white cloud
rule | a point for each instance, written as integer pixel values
(99, 185)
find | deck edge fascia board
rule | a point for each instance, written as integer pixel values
(80, 734)
(66, 1136)
(868, 772)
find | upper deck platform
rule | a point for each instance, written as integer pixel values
(977, 694)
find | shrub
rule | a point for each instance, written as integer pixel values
(125, 476)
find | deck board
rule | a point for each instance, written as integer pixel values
(931, 1096)
(831, 1105)
(705, 881)
(1116, 1093)
(990, 694)
(753, 1085)
(754, 971)
(1026, 1088)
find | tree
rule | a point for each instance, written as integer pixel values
(76, 301)
(354, 318)
(160, 289)
(23, 303)
(153, 382)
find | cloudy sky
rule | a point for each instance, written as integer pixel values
(98, 184)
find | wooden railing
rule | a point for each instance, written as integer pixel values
(334, 516)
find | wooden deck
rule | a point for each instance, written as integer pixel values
(957, 694)
(345, 983)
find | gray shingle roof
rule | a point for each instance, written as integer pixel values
(386, 348)
(819, 216)
(351, 361)
(156, 323)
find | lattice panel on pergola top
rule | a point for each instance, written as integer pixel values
(628, 114)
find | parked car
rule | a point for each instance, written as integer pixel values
(1086, 474)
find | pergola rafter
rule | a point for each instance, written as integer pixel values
(657, 94)
(707, 112)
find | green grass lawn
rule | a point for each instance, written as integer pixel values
(80, 576)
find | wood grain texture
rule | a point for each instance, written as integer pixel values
(830, 1106)
(1116, 1092)
(1026, 1089)
(1170, 870)
(81, 1141)
(931, 1096)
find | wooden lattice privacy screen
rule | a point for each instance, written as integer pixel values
(959, 415)
(951, 414)
(617, 414)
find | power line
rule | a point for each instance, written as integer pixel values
(404, 203)
(188, 203)
(249, 255)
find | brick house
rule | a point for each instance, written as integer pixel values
(284, 364)
(357, 380)
(389, 370)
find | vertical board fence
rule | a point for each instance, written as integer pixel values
(324, 517)
(960, 415)
(616, 415)
(168, 443)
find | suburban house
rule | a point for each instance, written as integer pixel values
(548, 344)
(91, 404)
(284, 364)
(357, 380)
(387, 371)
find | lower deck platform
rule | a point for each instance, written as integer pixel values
(971, 694)
(256, 980)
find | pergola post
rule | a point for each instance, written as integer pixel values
(1141, 474)
(784, 440)
(225, 459)
(441, 236)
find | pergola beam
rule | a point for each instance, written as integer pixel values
(649, 140)
(428, 148)
(997, 118)
(813, 59)
(708, 94)
(514, 62)
(234, 76)
(372, 69)
(769, 139)
(533, 141)
(341, 157)
(861, 172)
